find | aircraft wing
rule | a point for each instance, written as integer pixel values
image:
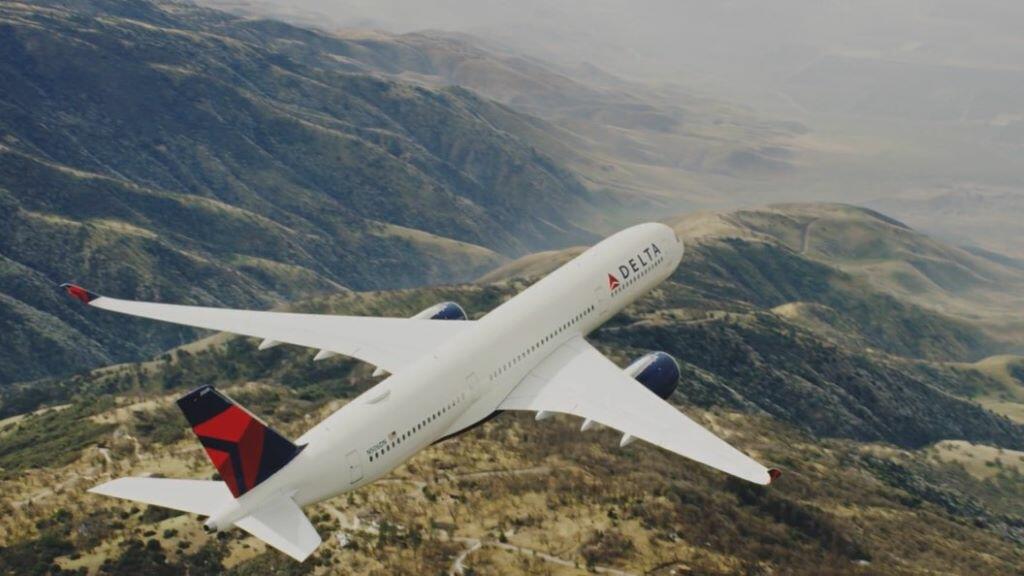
(577, 379)
(389, 343)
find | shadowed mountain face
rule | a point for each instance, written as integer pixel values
(800, 364)
(166, 151)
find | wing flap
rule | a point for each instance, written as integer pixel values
(577, 379)
(283, 525)
(389, 343)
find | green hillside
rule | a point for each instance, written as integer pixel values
(863, 437)
(889, 256)
(161, 150)
(164, 151)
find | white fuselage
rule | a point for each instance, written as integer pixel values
(465, 379)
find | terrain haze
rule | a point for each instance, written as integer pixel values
(844, 175)
(913, 107)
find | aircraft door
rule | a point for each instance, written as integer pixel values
(355, 467)
(601, 296)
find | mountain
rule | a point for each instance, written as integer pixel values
(837, 255)
(654, 144)
(969, 214)
(161, 150)
(783, 309)
(887, 254)
(895, 119)
(868, 405)
(651, 146)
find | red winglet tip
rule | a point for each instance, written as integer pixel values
(79, 293)
(774, 473)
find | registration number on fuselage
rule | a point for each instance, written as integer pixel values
(376, 447)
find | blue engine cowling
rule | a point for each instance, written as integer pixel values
(658, 372)
(443, 311)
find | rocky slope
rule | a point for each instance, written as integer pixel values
(160, 150)
(875, 427)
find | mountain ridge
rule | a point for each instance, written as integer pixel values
(872, 443)
(166, 151)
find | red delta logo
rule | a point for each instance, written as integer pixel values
(635, 265)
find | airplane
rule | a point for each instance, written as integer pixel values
(447, 374)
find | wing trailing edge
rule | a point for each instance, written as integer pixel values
(389, 343)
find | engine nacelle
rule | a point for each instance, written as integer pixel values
(442, 311)
(657, 371)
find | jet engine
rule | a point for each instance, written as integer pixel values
(442, 311)
(657, 371)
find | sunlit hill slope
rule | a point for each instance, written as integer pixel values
(878, 432)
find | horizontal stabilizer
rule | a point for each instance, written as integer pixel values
(203, 497)
(282, 525)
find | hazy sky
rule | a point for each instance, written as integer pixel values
(905, 98)
(948, 71)
(735, 44)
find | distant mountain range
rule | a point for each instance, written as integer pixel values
(652, 146)
(171, 152)
(985, 217)
(167, 151)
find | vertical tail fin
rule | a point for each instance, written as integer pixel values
(241, 446)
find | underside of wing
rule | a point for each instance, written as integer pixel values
(389, 343)
(577, 379)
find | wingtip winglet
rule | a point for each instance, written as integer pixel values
(79, 293)
(773, 474)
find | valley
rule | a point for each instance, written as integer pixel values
(876, 440)
(172, 152)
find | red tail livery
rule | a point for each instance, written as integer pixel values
(242, 447)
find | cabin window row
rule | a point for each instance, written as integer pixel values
(419, 426)
(540, 343)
